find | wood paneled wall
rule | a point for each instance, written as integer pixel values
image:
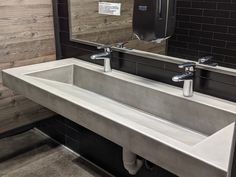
(26, 37)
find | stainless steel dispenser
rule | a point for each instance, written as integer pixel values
(154, 19)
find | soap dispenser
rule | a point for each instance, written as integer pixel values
(154, 19)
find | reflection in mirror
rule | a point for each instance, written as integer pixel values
(90, 25)
(193, 30)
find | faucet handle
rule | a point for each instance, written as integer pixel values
(107, 48)
(207, 61)
(121, 44)
(189, 66)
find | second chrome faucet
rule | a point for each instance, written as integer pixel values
(106, 56)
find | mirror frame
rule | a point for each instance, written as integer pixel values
(154, 56)
(165, 58)
(70, 30)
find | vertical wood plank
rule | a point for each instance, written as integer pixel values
(26, 37)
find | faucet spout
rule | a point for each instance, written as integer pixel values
(183, 77)
(187, 78)
(100, 56)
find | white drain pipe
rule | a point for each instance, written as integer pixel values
(131, 163)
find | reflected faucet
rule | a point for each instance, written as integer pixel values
(106, 56)
(187, 78)
(207, 60)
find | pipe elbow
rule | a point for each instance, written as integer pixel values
(131, 163)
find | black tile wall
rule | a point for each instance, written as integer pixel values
(205, 27)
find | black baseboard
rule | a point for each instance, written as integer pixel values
(16, 131)
(93, 147)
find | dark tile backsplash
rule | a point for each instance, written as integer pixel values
(205, 27)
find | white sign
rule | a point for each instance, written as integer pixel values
(108, 8)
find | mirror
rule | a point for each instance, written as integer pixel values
(90, 25)
(198, 32)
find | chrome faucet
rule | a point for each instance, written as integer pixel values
(106, 56)
(207, 60)
(187, 78)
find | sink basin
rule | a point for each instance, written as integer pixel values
(187, 136)
(110, 96)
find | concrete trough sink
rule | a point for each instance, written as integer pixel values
(190, 137)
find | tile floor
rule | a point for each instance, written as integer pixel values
(31, 154)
